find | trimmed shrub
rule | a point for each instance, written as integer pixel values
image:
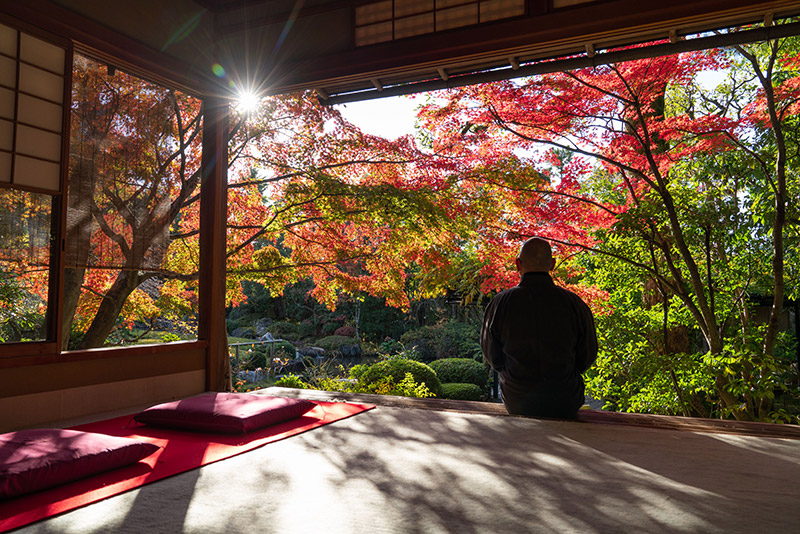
(396, 368)
(461, 370)
(461, 391)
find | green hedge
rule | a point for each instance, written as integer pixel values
(461, 391)
(397, 369)
(461, 370)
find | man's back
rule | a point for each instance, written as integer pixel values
(540, 338)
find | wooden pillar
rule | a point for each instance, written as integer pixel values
(213, 219)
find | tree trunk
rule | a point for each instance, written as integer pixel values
(106, 317)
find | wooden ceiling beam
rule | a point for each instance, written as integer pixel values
(551, 35)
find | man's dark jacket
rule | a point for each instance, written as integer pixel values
(540, 338)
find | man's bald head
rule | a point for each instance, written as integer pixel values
(535, 255)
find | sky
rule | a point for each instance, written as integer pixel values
(389, 117)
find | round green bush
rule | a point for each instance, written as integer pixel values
(461, 391)
(461, 370)
(397, 369)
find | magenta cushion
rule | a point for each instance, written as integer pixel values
(32, 460)
(228, 413)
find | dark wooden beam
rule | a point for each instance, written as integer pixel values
(580, 62)
(542, 35)
(213, 234)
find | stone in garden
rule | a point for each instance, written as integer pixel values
(262, 326)
(311, 351)
(245, 332)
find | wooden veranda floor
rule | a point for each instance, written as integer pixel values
(423, 466)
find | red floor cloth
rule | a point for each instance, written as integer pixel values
(180, 451)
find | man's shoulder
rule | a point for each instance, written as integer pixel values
(573, 297)
(506, 293)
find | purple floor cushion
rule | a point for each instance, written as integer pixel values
(32, 460)
(228, 413)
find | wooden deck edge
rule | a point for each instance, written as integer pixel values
(664, 422)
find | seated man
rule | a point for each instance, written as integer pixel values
(540, 338)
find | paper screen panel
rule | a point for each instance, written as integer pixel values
(42, 54)
(412, 7)
(38, 143)
(416, 25)
(31, 106)
(7, 101)
(6, 135)
(39, 113)
(384, 21)
(8, 41)
(374, 33)
(37, 173)
(456, 17)
(8, 72)
(38, 82)
(5, 167)
(372, 13)
(501, 9)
